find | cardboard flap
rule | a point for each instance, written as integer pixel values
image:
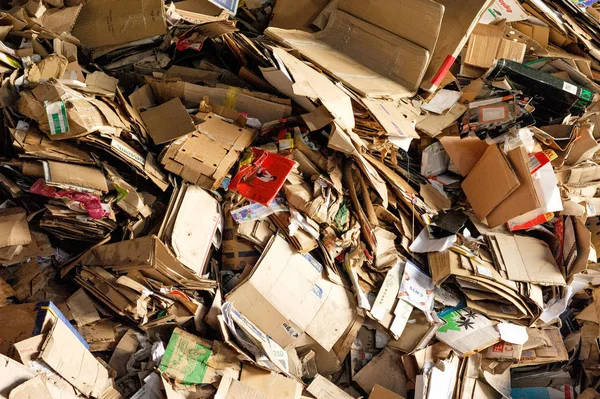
(464, 153)
(523, 199)
(168, 121)
(490, 182)
(114, 22)
(67, 355)
(370, 60)
(197, 223)
(527, 259)
(416, 20)
(74, 176)
(14, 229)
(287, 294)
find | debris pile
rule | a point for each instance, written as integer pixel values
(284, 199)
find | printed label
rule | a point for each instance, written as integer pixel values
(127, 151)
(57, 117)
(568, 87)
(484, 271)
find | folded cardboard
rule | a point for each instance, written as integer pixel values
(109, 23)
(380, 392)
(487, 44)
(66, 354)
(272, 385)
(14, 229)
(192, 226)
(74, 177)
(322, 388)
(490, 182)
(287, 294)
(361, 38)
(230, 388)
(459, 20)
(208, 154)
(151, 257)
(525, 259)
(190, 360)
(64, 113)
(168, 121)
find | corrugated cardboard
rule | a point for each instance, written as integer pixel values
(490, 182)
(296, 14)
(14, 229)
(207, 155)
(380, 392)
(192, 226)
(372, 53)
(168, 121)
(464, 153)
(460, 18)
(36, 145)
(270, 384)
(67, 355)
(523, 199)
(322, 388)
(114, 22)
(12, 374)
(74, 177)
(385, 370)
(83, 115)
(148, 255)
(16, 324)
(526, 259)
(287, 294)
(263, 108)
(190, 360)
(232, 389)
(487, 44)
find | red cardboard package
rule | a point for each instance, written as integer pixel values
(261, 180)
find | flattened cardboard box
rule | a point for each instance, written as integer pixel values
(14, 229)
(114, 22)
(271, 384)
(206, 156)
(382, 56)
(168, 121)
(487, 44)
(526, 259)
(490, 182)
(192, 226)
(287, 294)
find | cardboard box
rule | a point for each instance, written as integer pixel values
(66, 354)
(14, 229)
(191, 360)
(485, 193)
(232, 389)
(487, 44)
(467, 332)
(75, 177)
(525, 259)
(192, 226)
(380, 392)
(459, 20)
(207, 155)
(168, 121)
(270, 384)
(385, 370)
(63, 113)
(287, 294)
(113, 22)
(375, 40)
(151, 257)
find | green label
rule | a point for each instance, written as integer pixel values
(185, 360)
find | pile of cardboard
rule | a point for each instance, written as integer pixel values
(299, 199)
